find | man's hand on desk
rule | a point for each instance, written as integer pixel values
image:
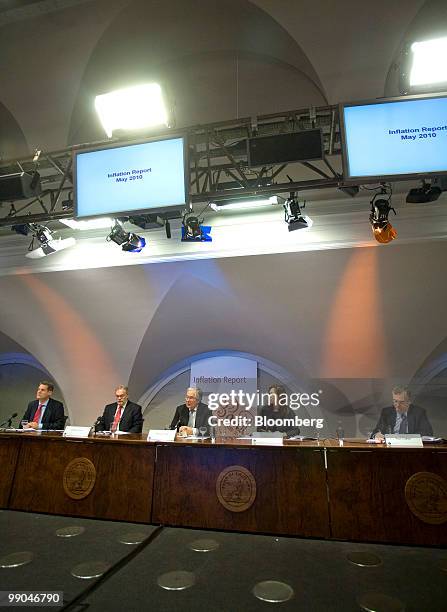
(184, 431)
(379, 437)
(31, 426)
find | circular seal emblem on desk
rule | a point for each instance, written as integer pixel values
(426, 496)
(79, 478)
(236, 488)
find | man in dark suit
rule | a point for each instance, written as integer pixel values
(44, 412)
(403, 417)
(192, 415)
(122, 415)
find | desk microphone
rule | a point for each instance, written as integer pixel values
(96, 423)
(9, 420)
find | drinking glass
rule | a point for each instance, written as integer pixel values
(202, 431)
(24, 423)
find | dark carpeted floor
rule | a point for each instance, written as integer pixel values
(315, 575)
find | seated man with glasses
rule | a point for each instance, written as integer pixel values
(192, 415)
(122, 415)
(402, 417)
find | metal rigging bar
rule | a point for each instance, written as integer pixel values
(218, 163)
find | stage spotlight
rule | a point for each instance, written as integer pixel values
(292, 214)
(134, 243)
(429, 66)
(48, 244)
(132, 108)
(194, 231)
(128, 241)
(425, 193)
(382, 229)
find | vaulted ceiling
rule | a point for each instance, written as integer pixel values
(219, 58)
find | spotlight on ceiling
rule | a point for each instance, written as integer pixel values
(48, 243)
(292, 214)
(132, 108)
(428, 63)
(423, 194)
(243, 204)
(382, 229)
(128, 241)
(193, 230)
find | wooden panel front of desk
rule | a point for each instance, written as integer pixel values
(123, 478)
(9, 452)
(290, 497)
(367, 494)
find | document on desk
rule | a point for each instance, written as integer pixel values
(274, 441)
(73, 431)
(403, 440)
(162, 435)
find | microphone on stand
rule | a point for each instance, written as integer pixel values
(96, 423)
(9, 420)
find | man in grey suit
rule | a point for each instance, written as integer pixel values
(192, 415)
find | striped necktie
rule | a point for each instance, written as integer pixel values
(403, 429)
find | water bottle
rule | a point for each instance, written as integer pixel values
(340, 433)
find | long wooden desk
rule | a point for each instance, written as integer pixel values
(94, 477)
(242, 488)
(356, 492)
(381, 494)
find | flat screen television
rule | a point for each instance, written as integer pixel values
(394, 137)
(138, 177)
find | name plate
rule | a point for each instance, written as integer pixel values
(162, 435)
(273, 441)
(396, 440)
(72, 431)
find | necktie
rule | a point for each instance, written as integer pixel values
(192, 418)
(117, 418)
(37, 414)
(403, 429)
